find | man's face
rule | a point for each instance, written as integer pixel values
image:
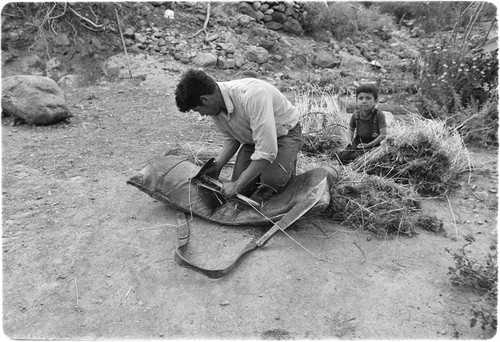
(209, 106)
(365, 101)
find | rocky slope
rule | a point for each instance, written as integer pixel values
(261, 39)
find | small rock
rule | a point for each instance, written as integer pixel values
(493, 190)
(482, 195)
(225, 303)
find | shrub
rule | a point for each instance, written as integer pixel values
(432, 16)
(479, 276)
(344, 19)
(456, 85)
(453, 79)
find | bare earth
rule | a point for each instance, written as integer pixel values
(86, 256)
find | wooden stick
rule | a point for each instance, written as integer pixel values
(123, 42)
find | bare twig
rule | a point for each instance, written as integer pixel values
(453, 215)
(77, 295)
(60, 15)
(355, 244)
(488, 33)
(472, 22)
(121, 301)
(204, 29)
(457, 24)
(101, 27)
(74, 39)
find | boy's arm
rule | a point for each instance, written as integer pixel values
(352, 127)
(350, 135)
(377, 140)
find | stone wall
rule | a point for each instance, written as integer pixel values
(275, 15)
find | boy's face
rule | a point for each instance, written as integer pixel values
(366, 101)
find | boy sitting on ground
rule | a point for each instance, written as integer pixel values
(367, 128)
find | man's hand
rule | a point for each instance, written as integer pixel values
(229, 189)
(362, 145)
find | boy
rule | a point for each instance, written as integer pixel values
(367, 128)
(257, 121)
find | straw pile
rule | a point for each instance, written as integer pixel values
(323, 120)
(359, 201)
(372, 203)
(425, 154)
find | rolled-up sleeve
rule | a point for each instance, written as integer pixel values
(260, 108)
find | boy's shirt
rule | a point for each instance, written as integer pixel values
(367, 129)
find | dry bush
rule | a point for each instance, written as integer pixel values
(423, 153)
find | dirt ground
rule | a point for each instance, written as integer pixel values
(86, 256)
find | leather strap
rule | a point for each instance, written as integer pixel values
(183, 234)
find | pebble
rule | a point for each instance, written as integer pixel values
(482, 195)
(475, 210)
(493, 190)
(225, 303)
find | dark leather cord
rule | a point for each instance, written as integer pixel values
(183, 234)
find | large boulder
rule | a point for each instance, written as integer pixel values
(205, 59)
(257, 54)
(246, 8)
(325, 59)
(37, 100)
(292, 26)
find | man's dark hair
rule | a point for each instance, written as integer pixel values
(368, 88)
(193, 84)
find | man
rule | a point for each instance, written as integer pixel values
(255, 119)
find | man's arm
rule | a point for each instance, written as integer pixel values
(228, 150)
(251, 172)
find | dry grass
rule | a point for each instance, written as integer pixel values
(423, 153)
(377, 202)
(372, 203)
(324, 121)
(361, 201)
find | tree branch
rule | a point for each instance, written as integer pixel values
(204, 29)
(101, 27)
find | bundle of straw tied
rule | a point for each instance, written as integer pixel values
(379, 191)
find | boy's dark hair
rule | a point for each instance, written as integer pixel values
(193, 84)
(368, 88)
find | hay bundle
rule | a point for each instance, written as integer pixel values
(372, 203)
(423, 153)
(323, 120)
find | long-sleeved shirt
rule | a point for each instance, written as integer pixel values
(257, 113)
